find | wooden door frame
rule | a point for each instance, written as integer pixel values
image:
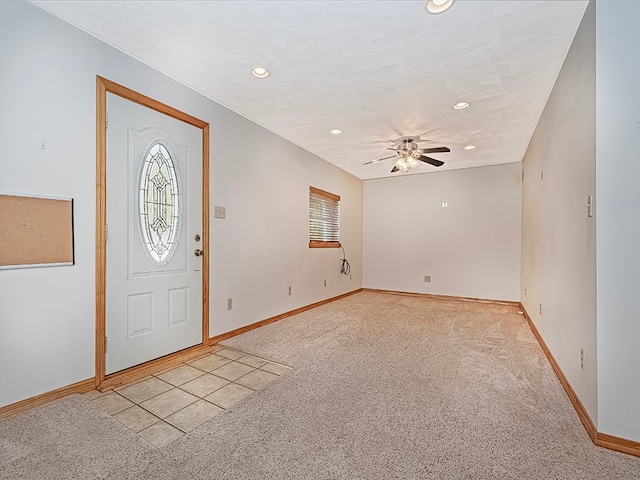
(104, 86)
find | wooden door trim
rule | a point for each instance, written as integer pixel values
(104, 86)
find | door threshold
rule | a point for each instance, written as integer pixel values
(132, 374)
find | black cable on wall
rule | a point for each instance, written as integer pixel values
(345, 268)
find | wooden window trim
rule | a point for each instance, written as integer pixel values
(325, 244)
(325, 194)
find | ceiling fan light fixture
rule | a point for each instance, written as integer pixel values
(260, 72)
(438, 6)
(336, 131)
(402, 165)
(461, 105)
(408, 156)
(407, 163)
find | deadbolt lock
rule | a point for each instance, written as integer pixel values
(197, 237)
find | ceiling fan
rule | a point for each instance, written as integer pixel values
(408, 155)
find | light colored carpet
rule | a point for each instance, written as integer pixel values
(383, 386)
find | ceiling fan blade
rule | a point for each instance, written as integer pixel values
(379, 160)
(435, 150)
(394, 149)
(395, 169)
(431, 161)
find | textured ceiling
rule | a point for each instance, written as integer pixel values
(377, 70)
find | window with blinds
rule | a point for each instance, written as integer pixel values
(324, 219)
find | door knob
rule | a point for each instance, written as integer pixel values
(198, 252)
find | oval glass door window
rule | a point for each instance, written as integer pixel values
(160, 204)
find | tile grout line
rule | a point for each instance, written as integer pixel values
(252, 355)
(138, 433)
(182, 390)
(135, 404)
(202, 398)
(143, 407)
(198, 397)
(154, 396)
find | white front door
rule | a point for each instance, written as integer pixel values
(154, 226)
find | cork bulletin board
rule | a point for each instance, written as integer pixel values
(35, 231)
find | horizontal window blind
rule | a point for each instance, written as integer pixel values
(324, 216)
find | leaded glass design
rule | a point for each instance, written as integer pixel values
(160, 204)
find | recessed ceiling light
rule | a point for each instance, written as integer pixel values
(438, 6)
(469, 147)
(260, 72)
(461, 106)
(336, 131)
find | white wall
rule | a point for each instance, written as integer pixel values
(470, 249)
(558, 239)
(47, 91)
(618, 228)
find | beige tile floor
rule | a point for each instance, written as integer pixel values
(163, 407)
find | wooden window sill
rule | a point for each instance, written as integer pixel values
(324, 245)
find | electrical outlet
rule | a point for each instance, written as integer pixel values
(540, 309)
(219, 212)
(582, 358)
(350, 277)
(229, 303)
(427, 278)
(325, 282)
(525, 291)
(289, 290)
